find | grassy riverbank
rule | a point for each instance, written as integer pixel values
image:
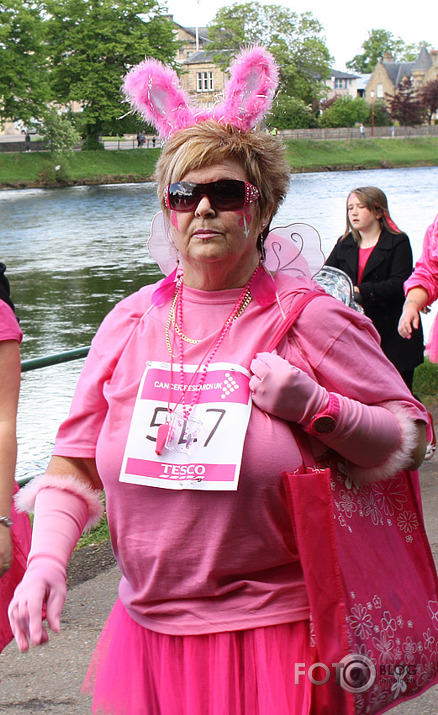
(40, 169)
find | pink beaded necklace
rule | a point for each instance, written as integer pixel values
(200, 373)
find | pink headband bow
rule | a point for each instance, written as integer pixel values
(154, 91)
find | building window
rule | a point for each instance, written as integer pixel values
(380, 91)
(204, 82)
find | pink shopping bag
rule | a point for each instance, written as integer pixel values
(372, 587)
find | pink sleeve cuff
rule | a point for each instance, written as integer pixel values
(397, 461)
(25, 498)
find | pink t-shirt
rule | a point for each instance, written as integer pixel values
(364, 254)
(201, 562)
(9, 328)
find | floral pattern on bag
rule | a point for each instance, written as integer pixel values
(405, 659)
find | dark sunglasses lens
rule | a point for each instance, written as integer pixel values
(224, 195)
(228, 194)
(182, 196)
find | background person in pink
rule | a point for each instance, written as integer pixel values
(421, 290)
(185, 421)
(14, 528)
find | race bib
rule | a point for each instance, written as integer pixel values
(202, 445)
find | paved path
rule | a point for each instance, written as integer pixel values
(48, 679)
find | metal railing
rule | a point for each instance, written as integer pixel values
(67, 356)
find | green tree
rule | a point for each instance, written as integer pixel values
(24, 90)
(381, 114)
(290, 113)
(374, 48)
(59, 132)
(410, 52)
(346, 112)
(92, 45)
(294, 39)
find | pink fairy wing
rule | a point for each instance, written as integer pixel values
(160, 244)
(294, 250)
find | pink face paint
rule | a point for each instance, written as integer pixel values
(174, 219)
(245, 219)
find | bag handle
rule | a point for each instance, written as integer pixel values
(297, 308)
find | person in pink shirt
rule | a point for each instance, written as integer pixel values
(187, 421)
(421, 290)
(14, 529)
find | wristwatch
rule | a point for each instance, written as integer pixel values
(6, 521)
(325, 422)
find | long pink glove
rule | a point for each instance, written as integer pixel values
(366, 435)
(60, 517)
(283, 390)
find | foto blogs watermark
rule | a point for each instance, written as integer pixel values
(355, 673)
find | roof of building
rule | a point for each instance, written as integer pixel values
(201, 31)
(336, 74)
(397, 70)
(199, 57)
(424, 60)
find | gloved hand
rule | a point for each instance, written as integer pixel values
(60, 517)
(285, 391)
(367, 435)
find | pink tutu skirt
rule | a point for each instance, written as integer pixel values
(135, 671)
(21, 533)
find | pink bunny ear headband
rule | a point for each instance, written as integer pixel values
(154, 91)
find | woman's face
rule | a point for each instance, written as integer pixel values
(218, 248)
(360, 217)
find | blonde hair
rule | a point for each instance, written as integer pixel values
(375, 201)
(261, 156)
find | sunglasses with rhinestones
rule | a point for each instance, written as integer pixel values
(223, 195)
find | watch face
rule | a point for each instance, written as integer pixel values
(324, 424)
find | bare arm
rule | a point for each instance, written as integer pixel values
(416, 301)
(83, 469)
(10, 370)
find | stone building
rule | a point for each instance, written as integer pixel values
(341, 84)
(200, 77)
(388, 74)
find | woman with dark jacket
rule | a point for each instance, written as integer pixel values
(377, 256)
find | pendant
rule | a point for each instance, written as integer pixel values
(162, 435)
(183, 433)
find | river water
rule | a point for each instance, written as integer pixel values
(73, 253)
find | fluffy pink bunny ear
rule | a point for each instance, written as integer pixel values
(154, 91)
(250, 91)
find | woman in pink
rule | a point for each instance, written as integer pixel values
(185, 420)
(421, 289)
(14, 529)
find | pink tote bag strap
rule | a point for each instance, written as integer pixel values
(297, 308)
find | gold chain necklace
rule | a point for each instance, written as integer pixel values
(171, 320)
